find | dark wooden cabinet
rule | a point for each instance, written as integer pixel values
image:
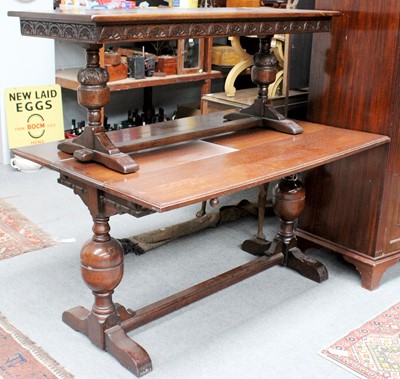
(355, 84)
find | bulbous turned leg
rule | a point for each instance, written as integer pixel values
(94, 94)
(288, 201)
(263, 73)
(102, 268)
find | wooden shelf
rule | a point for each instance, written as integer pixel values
(67, 78)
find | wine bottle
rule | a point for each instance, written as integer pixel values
(161, 115)
(128, 123)
(73, 127)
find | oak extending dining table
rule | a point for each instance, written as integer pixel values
(178, 175)
(165, 166)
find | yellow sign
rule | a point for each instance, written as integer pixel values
(34, 115)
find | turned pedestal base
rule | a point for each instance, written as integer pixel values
(288, 204)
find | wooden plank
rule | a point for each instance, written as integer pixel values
(266, 156)
(67, 78)
(144, 16)
(199, 291)
(185, 129)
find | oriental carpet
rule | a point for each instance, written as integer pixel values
(22, 358)
(373, 349)
(19, 235)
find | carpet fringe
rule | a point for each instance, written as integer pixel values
(41, 355)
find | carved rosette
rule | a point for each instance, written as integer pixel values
(158, 32)
(180, 31)
(216, 30)
(267, 28)
(310, 26)
(297, 26)
(112, 34)
(250, 29)
(135, 32)
(198, 30)
(234, 29)
(282, 27)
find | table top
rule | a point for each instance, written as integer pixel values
(186, 173)
(129, 25)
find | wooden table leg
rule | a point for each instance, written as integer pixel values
(263, 73)
(93, 144)
(102, 268)
(289, 201)
(107, 323)
(102, 265)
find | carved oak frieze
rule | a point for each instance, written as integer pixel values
(174, 30)
(216, 29)
(73, 31)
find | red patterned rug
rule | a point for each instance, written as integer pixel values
(18, 235)
(373, 349)
(21, 358)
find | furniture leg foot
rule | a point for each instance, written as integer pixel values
(263, 73)
(76, 318)
(306, 266)
(371, 273)
(130, 354)
(256, 246)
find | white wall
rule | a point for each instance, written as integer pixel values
(26, 61)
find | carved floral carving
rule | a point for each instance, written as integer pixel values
(114, 33)
(76, 32)
(93, 76)
(198, 30)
